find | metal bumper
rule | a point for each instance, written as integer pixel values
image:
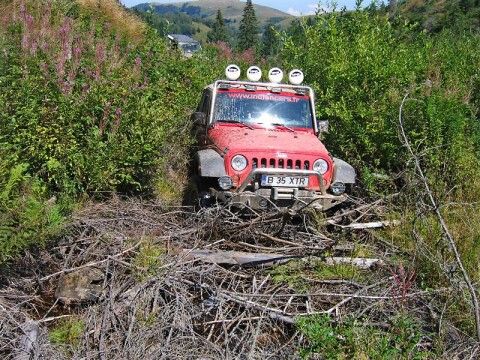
(280, 171)
(280, 197)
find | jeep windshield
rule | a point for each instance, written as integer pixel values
(264, 109)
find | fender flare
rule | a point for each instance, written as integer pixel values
(210, 163)
(343, 172)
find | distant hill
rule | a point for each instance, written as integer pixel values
(435, 15)
(205, 10)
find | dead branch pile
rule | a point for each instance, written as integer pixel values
(210, 292)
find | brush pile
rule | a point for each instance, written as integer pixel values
(133, 279)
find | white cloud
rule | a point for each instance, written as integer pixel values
(294, 12)
(311, 9)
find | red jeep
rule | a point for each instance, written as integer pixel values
(259, 146)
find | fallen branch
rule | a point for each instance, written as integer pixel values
(362, 263)
(369, 225)
(237, 257)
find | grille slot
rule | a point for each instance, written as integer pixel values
(281, 163)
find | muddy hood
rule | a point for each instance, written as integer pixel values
(233, 140)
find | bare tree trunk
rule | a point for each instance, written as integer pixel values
(441, 220)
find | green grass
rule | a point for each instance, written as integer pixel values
(67, 332)
(148, 260)
(302, 274)
(353, 340)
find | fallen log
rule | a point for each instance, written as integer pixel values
(362, 263)
(237, 257)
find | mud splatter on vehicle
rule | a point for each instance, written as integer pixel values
(258, 145)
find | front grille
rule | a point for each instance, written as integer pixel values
(280, 163)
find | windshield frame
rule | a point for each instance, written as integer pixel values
(264, 87)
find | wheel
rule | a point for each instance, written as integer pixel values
(196, 194)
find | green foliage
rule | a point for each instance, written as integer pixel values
(89, 109)
(149, 259)
(353, 340)
(361, 67)
(296, 274)
(219, 30)
(67, 332)
(169, 23)
(434, 16)
(270, 41)
(248, 36)
(26, 216)
(292, 274)
(91, 112)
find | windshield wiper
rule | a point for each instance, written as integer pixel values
(238, 122)
(284, 126)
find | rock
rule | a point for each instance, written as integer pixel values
(80, 286)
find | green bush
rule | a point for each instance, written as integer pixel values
(361, 67)
(91, 106)
(27, 216)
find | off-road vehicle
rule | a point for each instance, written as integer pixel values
(258, 145)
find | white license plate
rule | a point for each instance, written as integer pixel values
(286, 181)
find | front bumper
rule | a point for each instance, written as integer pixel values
(250, 194)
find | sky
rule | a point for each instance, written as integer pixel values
(296, 7)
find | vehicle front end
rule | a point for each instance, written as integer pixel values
(261, 150)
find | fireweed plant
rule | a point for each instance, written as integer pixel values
(87, 108)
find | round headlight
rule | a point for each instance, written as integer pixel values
(320, 166)
(239, 162)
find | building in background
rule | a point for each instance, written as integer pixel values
(184, 43)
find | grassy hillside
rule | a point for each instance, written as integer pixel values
(434, 15)
(89, 99)
(232, 10)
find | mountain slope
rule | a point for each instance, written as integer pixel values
(232, 10)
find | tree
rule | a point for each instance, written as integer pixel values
(248, 37)
(219, 30)
(270, 41)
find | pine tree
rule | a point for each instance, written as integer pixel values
(248, 37)
(219, 30)
(270, 41)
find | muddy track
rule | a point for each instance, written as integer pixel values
(145, 281)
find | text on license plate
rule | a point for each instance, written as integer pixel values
(287, 181)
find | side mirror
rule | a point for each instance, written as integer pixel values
(322, 126)
(199, 118)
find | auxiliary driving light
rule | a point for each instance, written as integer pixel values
(232, 72)
(338, 188)
(275, 75)
(296, 77)
(254, 73)
(225, 182)
(263, 203)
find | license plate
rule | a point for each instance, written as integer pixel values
(286, 181)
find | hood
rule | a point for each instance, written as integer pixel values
(237, 138)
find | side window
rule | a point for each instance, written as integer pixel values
(207, 100)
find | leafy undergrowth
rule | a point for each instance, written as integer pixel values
(91, 102)
(400, 338)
